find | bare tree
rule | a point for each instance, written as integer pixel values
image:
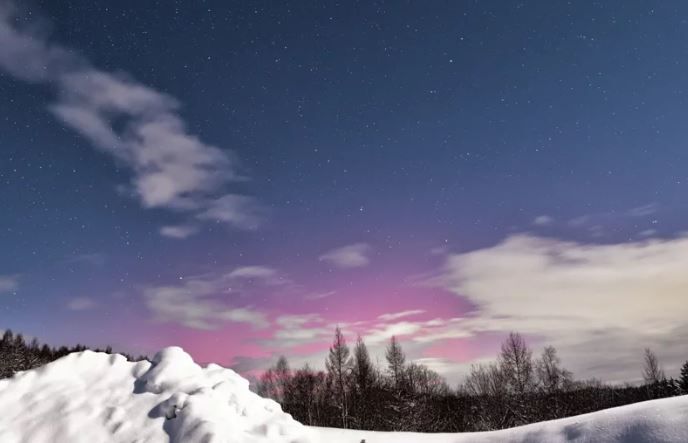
(516, 362)
(652, 373)
(479, 380)
(303, 391)
(487, 385)
(425, 381)
(517, 369)
(267, 386)
(551, 376)
(282, 378)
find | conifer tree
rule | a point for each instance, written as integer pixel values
(338, 366)
(364, 377)
(363, 368)
(395, 361)
(683, 379)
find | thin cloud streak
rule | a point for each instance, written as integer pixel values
(350, 256)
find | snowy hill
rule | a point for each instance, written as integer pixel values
(94, 397)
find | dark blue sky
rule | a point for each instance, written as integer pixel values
(392, 136)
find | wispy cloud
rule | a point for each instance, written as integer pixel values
(195, 304)
(237, 210)
(298, 329)
(384, 332)
(350, 256)
(294, 321)
(138, 125)
(199, 302)
(8, 283)
(178, 231)
(264, 274)
(319, 295)
(595, 223)
(543, 220)
(398, 315)
(644, 211)
(81, 304)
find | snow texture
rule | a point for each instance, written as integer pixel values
(95, 397)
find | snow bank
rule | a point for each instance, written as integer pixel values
(94, 397)
(657, 421)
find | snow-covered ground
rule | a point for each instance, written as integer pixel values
(94, 397)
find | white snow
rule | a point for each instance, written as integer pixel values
(95, 397)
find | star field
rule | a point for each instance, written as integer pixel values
(238, 177)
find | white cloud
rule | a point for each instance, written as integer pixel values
(252, 272)
(443, 333)
(135, 124)
(194, 304)
(398, 315)
(284, 338)
(81, 304)
(178, 231)
(8, 283)
(298, 329)
(264, 274)
(350, 256)
(237, 210)
(384, 332)
(294, 321)
(643, 211)
(543, 220)
(624, 296)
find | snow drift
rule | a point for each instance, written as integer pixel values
(95, 397)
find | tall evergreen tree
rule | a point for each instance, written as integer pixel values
(683, 379)
(363, 367)
(395, 361)
(338, 366)
(364, 377)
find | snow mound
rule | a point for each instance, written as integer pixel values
(95, 397)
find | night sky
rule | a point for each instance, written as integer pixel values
(237, 178)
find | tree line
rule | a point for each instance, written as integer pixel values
(516, 389)
(353, 392)
(16, 354)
